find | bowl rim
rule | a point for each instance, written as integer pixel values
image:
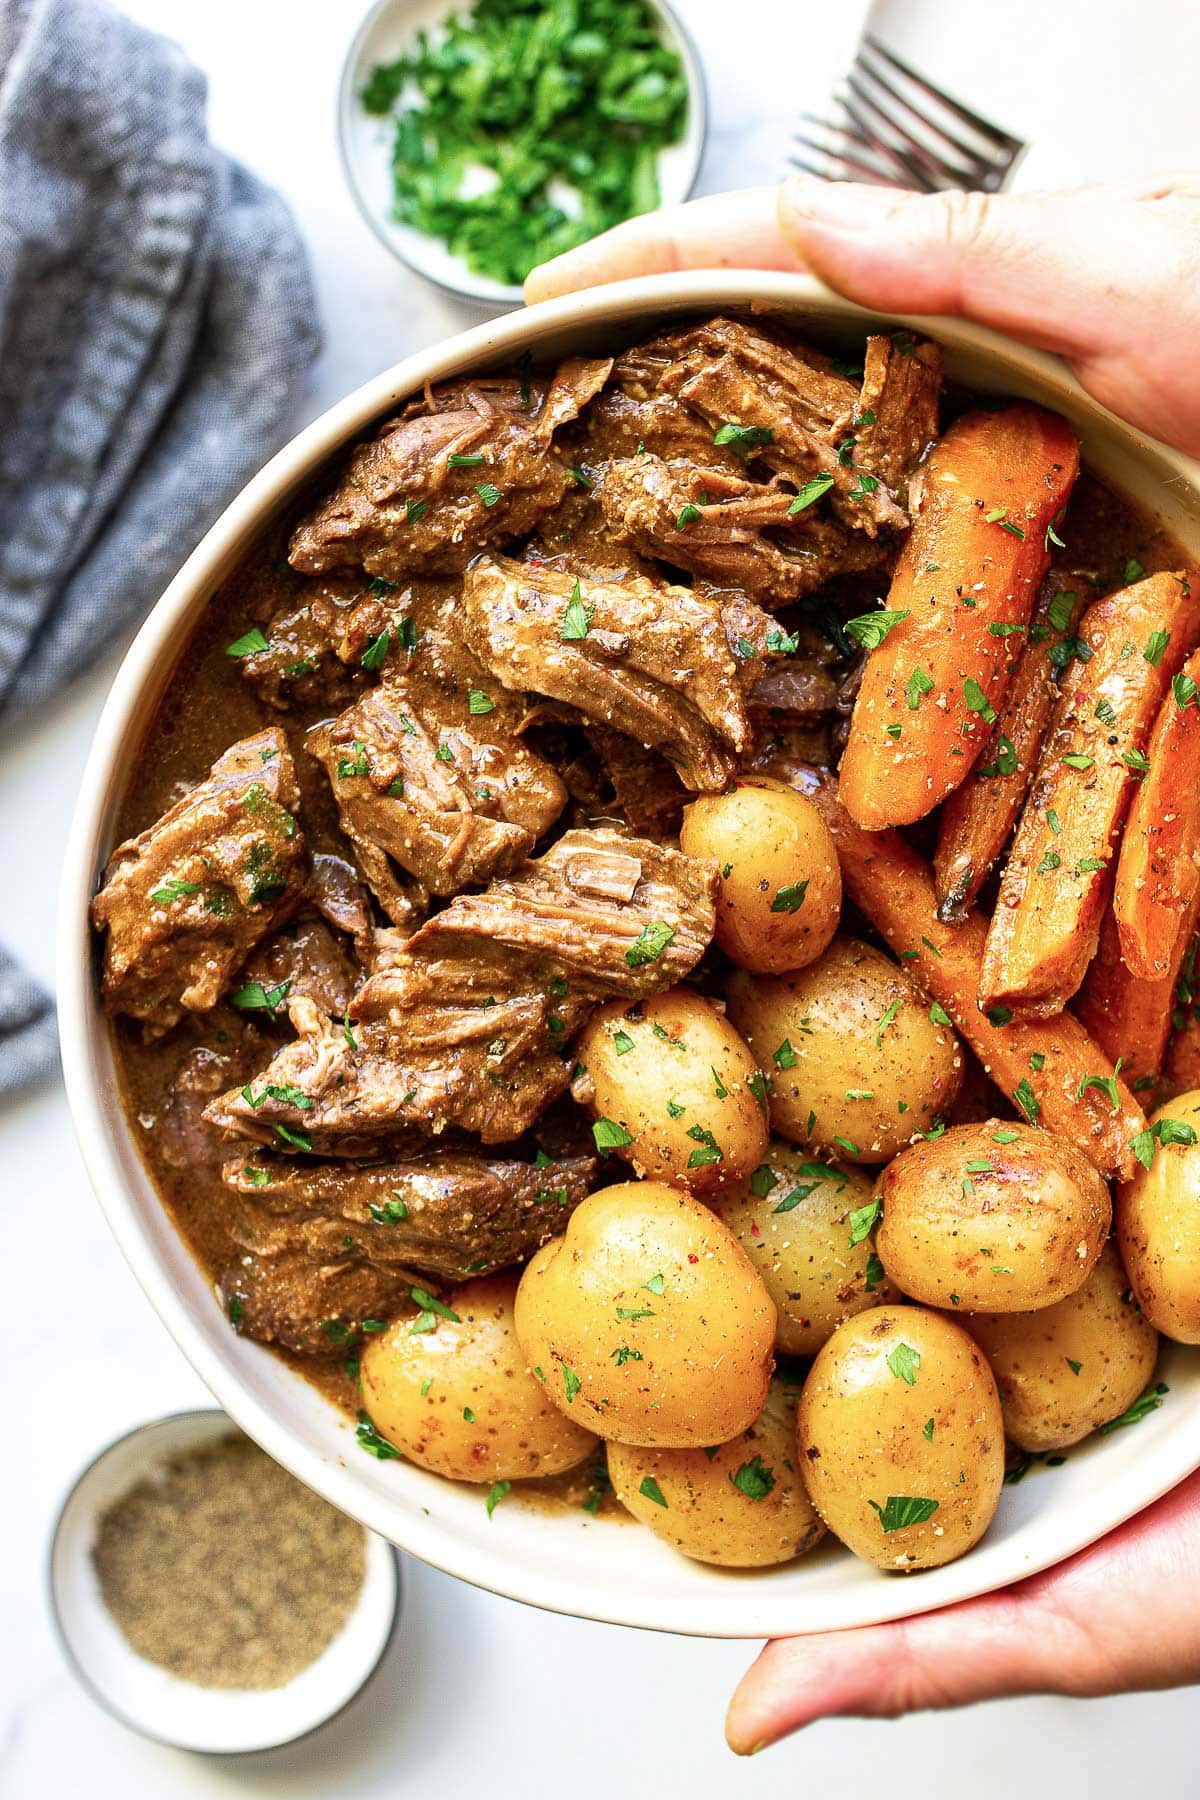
(137, 684)
(480, 290)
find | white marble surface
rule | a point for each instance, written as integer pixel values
(524, 1702)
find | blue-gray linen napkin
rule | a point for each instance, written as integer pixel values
(157, 322)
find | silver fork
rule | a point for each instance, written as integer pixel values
(897, 129)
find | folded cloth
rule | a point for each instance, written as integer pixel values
(156, 324)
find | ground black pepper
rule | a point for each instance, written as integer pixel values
(226, 1570)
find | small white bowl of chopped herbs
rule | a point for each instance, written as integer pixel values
(482, 137)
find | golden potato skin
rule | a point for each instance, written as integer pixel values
(1067, 1369)
(476, 1366)
(996, 1217)
(707, 1515)
(780, 897)
(674, 1073)
(866, 1435)
(1158, 1228)
(856, 1026)
(803, 1254)
(647, 1320)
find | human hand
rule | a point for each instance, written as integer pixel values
(1120, 1616)
(1109, 277)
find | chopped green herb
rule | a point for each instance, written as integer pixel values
(742, 439)
(609, 1135)
(249, 644)
(917, 684)
(790, 899)
(495, 1495)
(903, 1510)
(687, 516)
(370, 1440)
(1155, 646)
(577, 617)
(754, 1479)
(650, 1490)
(174, 890)
(870, 629)
(863, 1221)
(904, 1362)
(811, 491)
(650, 943)
(375, 654)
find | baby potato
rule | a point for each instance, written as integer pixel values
(675, 1091)
(646, 1321)
(997, 1217)
(781, 887)
(856, 1059)
(901, 1439)
(743, 1505)
(1069, 1368)
(794, 1221)
(460, 1399)
(1158, 1222)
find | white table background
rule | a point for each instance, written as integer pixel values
(474, 1686)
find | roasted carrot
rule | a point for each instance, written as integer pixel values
(1056, 1075)
(1059, 871)
(977, 819)
(1129, 1017)
(1158, 874)
(988, 495)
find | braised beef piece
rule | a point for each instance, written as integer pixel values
(803, 418)
(717, 524)
(468, 1023)
(185, 901)
(327, 1245)
(802, 677)
(340, 897)
(472, 464)
(646, 788)
(305, 958)
(653, 661)
(233, 1047)
(423, 779)
(311, 640)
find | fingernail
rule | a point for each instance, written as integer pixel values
(850, 206)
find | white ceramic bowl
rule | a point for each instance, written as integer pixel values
(594, 1568)
(387, 32)
(220, 1721)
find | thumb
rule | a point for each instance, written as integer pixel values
(1038, 266)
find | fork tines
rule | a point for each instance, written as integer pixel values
(896, 129)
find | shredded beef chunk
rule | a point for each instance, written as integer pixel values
(436, 485)
(305, 958)
(442, 1218)
(341, 899)
(732, 531)
(650, 660)
(313, 647)
(421, 779)
(185, 901)
(469, 1022)
(896, 418)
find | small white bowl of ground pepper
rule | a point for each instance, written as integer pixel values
(482, 137)
(208, 1598)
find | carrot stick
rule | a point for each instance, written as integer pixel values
(1181, 1074)
(1129, 1017)
(1158, 874)
(1044, 1065)
(977, 819)
(970, 567)
(1058, 876)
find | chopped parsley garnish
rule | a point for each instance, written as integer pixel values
(754, 1479)
(488, 493)
(1134, 571)
(902, 1510)
(977, 702)
(571, 1383)
(870, 629)
(1075, 759)
(495, 1495)
(762, 1181)
(650, 943)
(863, 1221)
(354, 765)
(1155, 646)
(254, 997)
(370, 1440)
(1133, 759)
(917, 684)
(374, 655)
(298, 1140)
(1163, 1131)
(742, 439)
(478, 702)
(784, 1057)
(174, 890)
(576, 619)
(464, 462)
(249, 644)
(811, 490)
(708, 1151)
(1024, 1096)
(998, 516)
(1149, 1402)
(904, 1362)
(392, 1212)
(650, 1490)
(687, 516)
(1006, 759)
(608, 1135)
(622, 1043)
(790, 899)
